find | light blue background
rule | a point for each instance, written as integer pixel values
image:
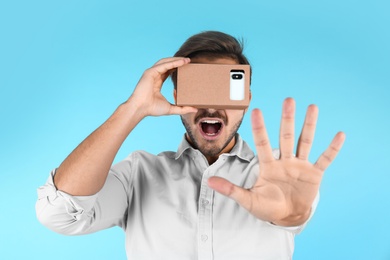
(66, 65)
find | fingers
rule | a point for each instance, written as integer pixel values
(169, 59)
(331, 152)
(240, 195)
(164, 65)
(260, 137)
(159, 72)
(307, 135)
(286, 137)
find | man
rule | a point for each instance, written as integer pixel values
(213, 198)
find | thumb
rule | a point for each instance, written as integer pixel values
(177, 110)
(225, 187)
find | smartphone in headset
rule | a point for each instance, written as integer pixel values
(219, 86)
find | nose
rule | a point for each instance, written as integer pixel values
(211, 110)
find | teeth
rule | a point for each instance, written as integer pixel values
(210, 121)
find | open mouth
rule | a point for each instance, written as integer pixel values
(210, 128)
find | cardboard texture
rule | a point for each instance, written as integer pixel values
(217, 86)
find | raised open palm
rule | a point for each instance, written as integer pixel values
(286, 187)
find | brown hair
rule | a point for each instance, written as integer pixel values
(211, 45)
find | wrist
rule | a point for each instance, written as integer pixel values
(293, 220)
(134, 108)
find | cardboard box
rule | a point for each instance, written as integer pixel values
(217, 86)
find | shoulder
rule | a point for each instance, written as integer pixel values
(144, 157)
(141, 162)
(141, 154)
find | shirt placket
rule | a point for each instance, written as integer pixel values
(205, 247)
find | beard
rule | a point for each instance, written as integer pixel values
(210, 148)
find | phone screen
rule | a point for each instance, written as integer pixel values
(237, 85)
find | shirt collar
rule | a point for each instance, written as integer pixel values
(240, 149)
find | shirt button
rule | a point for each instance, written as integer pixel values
(204, 238)
(205, 202)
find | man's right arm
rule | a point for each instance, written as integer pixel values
(85, 170)
(67, 202)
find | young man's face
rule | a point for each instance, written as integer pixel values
(213, 131)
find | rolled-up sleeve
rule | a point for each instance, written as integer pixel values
(76, 215)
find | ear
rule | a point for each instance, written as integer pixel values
(175, 95)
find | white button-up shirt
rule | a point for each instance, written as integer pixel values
(167, 210)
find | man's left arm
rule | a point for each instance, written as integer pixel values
(287, 187)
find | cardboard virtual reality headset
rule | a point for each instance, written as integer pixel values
(218, 86)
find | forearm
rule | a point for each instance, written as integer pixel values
(85, 170)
